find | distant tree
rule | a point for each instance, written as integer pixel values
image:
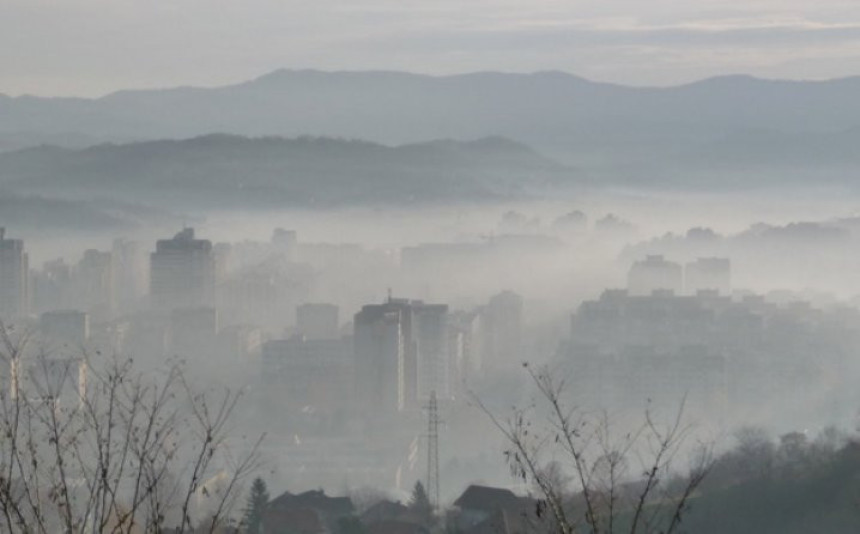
(252, 521)
(821, 496)
(755, 451)
(420, 505)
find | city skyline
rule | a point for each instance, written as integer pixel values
(412, 267)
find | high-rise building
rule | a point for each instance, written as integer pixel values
(193, 332)
(317, 321)
(66, 329)
(463, 350)
(401, 353)
(182, 272)
(61, 381)
(285, 242)
(384, 356)
(430, 324)
(94, 284)
(304, 372)
(52, 286)
(14, 277)
(240, 343)
(655, 273)
(709, 274)
(501, 326)
(131, 272)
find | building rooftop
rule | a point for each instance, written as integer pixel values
(184, 240)
(316, 500)
(487, 499)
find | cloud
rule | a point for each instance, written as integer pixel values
(742, 33)
(94, 46)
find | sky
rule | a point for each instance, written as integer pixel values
(93, 47)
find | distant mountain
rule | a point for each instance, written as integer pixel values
(51, 215)
(762, 158)
(16, 141)
(623, 134)
(233, 171)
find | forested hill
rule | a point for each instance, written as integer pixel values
(236, 171)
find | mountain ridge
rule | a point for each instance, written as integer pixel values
(237, 171)
(280, 72)
(621, 134)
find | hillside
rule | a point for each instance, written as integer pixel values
(232, 171)
(706, 134)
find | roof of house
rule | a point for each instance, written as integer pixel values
(506, 522)
(295, 520)
(384, 511)
(317, 500)
(487, 499)
(396, 527)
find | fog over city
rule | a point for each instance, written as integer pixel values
(402, 268)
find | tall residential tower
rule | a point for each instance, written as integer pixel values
(182, 272)
(14, 278)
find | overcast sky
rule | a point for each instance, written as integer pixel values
(92, 47)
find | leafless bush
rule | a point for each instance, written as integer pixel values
(90, 445)
(622, 482)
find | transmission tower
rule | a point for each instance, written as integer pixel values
(433, 451)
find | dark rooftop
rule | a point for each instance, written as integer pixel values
(487, 499)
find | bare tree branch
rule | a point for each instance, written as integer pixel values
(109, 456)
(598, 460)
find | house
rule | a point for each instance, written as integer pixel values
(311, 512)
(293, 520)
(388, 517)
(396, 527)
(506, 522)
(386, 511)
(480, 503)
